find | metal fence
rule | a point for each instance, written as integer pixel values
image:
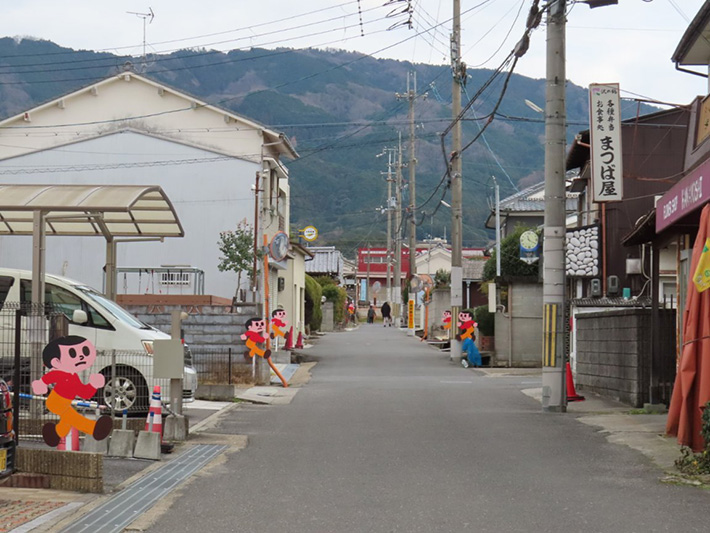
(222, 366)
(129, 382)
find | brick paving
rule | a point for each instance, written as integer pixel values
(14, 513)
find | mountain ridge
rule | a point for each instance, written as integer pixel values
(340, 109)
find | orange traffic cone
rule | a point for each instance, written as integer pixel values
(289, 340)
(299, 341)
(572, 395)
(155, 415)
(70, 443)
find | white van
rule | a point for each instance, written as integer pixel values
(109, 327)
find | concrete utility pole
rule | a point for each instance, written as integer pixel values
(390, 206)
(554, 397)
(411, 95)
(397, 309)
(458, 72)
(497, 226)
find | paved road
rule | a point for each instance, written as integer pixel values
(390, 437)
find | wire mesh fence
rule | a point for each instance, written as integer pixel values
(222, 366)
(127, 375)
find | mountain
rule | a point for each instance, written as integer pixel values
(340, 109)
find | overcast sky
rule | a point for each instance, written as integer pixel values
(630, 43)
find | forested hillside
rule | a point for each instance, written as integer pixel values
(340, 110)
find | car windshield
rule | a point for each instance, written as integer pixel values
(113, 308)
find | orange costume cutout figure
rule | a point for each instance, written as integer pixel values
(252, 336)
(278, 321)
(66, 357)
(467, 324)
(447, 319)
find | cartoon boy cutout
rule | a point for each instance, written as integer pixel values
(446, 320)
(67, 357)
(252, 336)
(467, 324)
(278, 321)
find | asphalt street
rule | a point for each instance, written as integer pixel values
(389, 436)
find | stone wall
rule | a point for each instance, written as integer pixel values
(614, 352)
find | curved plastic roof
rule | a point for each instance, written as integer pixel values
(89, 210)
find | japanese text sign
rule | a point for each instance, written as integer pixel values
(605, 137)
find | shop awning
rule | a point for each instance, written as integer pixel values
(685, 197)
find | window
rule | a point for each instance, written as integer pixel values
(6, 283)
(61, 300)
(174, 278)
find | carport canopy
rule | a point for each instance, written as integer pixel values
(133, 212)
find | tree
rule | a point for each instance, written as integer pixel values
(237, 248)
(510, 263)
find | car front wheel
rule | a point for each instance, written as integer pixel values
(126, 391)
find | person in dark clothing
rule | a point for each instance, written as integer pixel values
(386, 314)
(371, 315)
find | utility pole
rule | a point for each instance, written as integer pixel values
(554, 396)
(398, 235)
(390, 206)
(497, 227)
(458, 71)
(369, 258)
(411, 95)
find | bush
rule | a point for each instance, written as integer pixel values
(486, 320)
(442, 279)
(314, 314)
(510, 263)
(336, 294)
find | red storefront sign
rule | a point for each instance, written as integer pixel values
(690, 193)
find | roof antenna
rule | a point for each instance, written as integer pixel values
(144, 16)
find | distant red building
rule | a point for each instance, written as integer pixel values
(371, 277)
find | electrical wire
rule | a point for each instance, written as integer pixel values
(258, 25)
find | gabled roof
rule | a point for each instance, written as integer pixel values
(473, 269)
(326, 260)
(278, 142)
(528, 201)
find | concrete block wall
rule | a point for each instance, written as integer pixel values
(73, 471)
(526, 337)
(211, 328)
(614, 353)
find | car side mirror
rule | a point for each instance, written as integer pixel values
(79, 317)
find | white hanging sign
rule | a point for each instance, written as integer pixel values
(605, 137)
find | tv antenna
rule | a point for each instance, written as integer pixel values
(145, 16)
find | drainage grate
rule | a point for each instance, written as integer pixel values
(126, 506)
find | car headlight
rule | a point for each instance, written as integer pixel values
(148, 347)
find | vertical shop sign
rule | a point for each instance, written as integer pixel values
(605, 137)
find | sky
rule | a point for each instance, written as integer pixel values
(630, 43)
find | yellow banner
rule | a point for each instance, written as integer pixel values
(410, 314)
(549, 339)
(701, 278)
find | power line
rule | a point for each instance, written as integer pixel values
(192, 55)
(258, 25)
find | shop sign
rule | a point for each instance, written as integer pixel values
(605, 141)
(686, 196)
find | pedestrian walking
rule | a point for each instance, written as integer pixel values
(371, 315)
(386, 314)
